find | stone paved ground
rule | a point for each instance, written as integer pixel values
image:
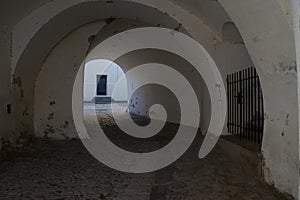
(65, 170)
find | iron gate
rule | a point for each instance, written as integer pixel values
(245, 105)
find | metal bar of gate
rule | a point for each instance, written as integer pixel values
(259, 111)
(247, 103)
(243, 104)
(252, 106)
(235, 103)
(228, 101)
(238, 104)
(232, 103)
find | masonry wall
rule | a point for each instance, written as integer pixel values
(265, 27)
(54, 85)
(6, 133)
(230, 57)
(269, 38)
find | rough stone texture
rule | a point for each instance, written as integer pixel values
(65, 170)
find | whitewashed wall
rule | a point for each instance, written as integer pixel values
(53, 88)
(113, 72)
(264, 25)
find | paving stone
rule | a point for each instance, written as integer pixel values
(159, 192)
(65, 170)
(164, 176)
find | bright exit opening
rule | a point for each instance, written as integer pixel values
(100, 79)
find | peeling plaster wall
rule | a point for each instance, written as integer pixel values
(191, 22)
(223, 55)
(5, 104)
(54, 84)
(270, 41)
(210, 12)
(12, 11)
(287, 9)
(144, 98)
(53, 114)
(31, 24)
(296, 27)
(34, 56)
(230, 56)
(48, 116)
(199, 30)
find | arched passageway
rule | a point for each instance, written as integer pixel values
(41, 67)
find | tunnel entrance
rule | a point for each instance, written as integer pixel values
(100, 78)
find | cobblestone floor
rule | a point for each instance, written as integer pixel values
(65, 170)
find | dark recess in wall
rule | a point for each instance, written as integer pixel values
(8, 108)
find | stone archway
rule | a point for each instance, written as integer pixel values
(271, 45)
(272, 52)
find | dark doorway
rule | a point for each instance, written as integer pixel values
(245, 105)
(101, 84)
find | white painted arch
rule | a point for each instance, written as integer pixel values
(270, 41)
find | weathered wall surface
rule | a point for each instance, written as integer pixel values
(205, 28)
(5, 78)
(264, 25)
(270, 41)
(54, 84)
(58, 73)
(230, 56)
(296, 28)
(48, 117)
(194, 25)
(59, 27)
(144, 98)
